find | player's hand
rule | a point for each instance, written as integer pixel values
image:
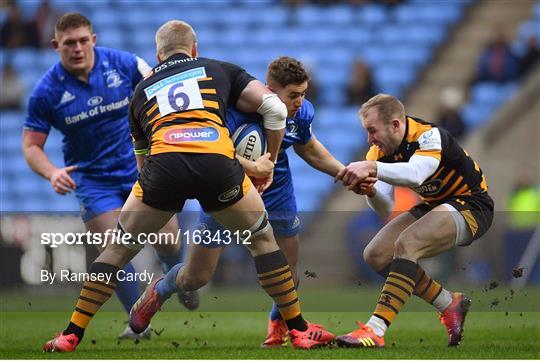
(61, 181)
(262, 184)
(365, 188)
(356, 173)
(263, 167)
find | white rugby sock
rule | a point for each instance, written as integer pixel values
(378, 325)
(443, 300)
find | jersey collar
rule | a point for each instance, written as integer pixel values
(177, 56)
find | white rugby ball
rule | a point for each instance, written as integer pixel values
(249, 141)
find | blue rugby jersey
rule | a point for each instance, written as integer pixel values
(91, 117)
(298, 131)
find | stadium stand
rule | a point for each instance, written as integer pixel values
(487, 97)
(251, 34)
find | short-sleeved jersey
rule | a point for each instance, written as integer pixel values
(297, 131)
(92, 117)
(457, 174)
(181, 106)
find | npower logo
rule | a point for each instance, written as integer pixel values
(207, 134)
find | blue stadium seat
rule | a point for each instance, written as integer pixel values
(486, 92)
(251, 3)
(309, 15)
(265, 17)
(107, 19)
(492, 94)
(10, 145)
(423, 33)
(11, 121)
(338, 15)
(413, 54)
(372, 15)
(475, 115)
(46, 59)
(440, 12)
(115, 38)
(393, 73)
(22, 59)
(233, 38)
(392, 34)
(356, 36)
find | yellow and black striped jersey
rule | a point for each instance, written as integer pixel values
(457, 174)
(181, 105)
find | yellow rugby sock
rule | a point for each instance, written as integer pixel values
(276, 278)
(397, 289)
(94, 294)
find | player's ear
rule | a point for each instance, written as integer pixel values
(194, 50)
(94, 38)
(55, 44)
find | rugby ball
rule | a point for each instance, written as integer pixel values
(249, 141)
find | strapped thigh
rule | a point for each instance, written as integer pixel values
(463, 234)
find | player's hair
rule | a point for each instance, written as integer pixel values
(286, 70)
(174, 36)
(71, 21)
(388, 106)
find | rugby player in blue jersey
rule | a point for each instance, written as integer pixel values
(85, 96)
(289, 80)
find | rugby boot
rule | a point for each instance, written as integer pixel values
(145, 308)
(62, 343)
(315, 336)
(128, 333)
(189, 299)
(362, 337)
(277, 334)
(453, 317)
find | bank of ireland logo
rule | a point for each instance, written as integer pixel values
(114, 80)
(207, 134)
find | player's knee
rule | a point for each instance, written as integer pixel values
(260, 233)
(375, 258)
(406, 246)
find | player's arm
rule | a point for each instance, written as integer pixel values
(380, 198)
(423, 163)
(140, 143)
(33, 144)
(407, 174)
(317, 156)
(256, 97)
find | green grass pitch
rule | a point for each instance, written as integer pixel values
(211, 333)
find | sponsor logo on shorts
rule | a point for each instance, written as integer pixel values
(202, 227)
(430, 188)
(229, 195)
(296, 222)
(207, 134)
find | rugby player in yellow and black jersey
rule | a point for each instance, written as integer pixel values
(456, 210)
(184, 151)
(177, 120)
